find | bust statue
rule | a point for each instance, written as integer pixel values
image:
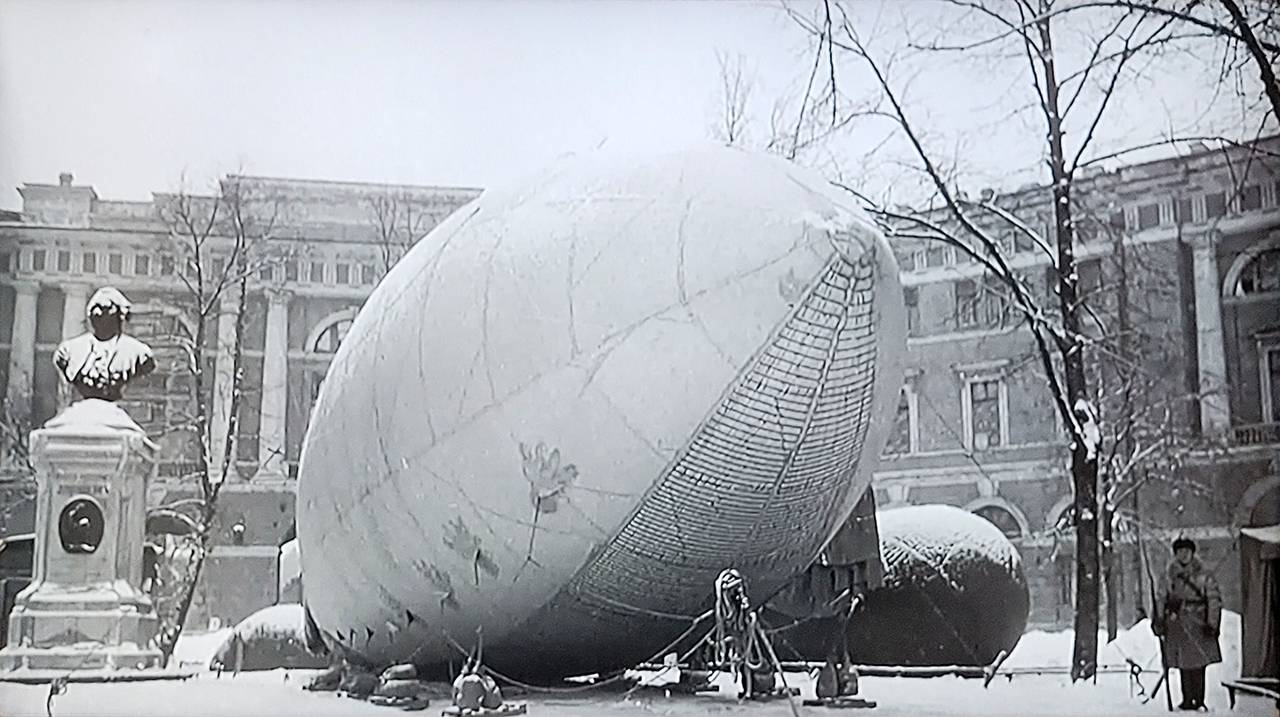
(100, 362)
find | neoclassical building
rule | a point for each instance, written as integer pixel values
(327, 246)
(1191, 242)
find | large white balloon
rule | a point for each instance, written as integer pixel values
(577, 400)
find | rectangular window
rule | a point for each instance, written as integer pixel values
(1271, 359)
(64, 261)
(979, 305)
(900, 438)
(368, 274)
(911, 297)
(1182, 211)
(1084, 230)
(343, 274)
(1023, 243)
(1251, 198)
(1215, 205)
(1148, 216)
(1066, 583)
(1116, 220)
(89, 262)
(291, 271)
(984, 402)
(966, 308)
(37, 260)
(1089, 272)
(217, 265)
(6, 262)
(1051, 288)
(267, 273)
(115, 264)
(935, 256)
(317, 272)
(166, 264)
(141, 265)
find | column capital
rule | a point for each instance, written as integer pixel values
(26, 287)
(1207, 239)
(228, 300)
(278, 296)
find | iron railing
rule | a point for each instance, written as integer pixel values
(1256, 434)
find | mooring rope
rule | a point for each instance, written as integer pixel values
(543, 689)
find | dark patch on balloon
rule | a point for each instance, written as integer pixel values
(549, 479)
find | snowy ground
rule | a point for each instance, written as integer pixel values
(279, 692)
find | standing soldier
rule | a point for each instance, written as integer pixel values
(1192, 612)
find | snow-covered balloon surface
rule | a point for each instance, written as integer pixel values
(270, 638)
(580, 398)
(954, 591)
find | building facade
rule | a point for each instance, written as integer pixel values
(1186, 250)
(1181, 255)
(319, 249)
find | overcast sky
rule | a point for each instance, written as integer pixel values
(130, 95)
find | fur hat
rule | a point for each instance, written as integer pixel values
(1181, 543)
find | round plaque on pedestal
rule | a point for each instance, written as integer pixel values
(80, 526)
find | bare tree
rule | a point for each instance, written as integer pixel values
(735, 94)
(222, 242)
(1058, 324)
(14, 435)
(398, 222)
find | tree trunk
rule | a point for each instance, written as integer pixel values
(1084, 455)
(1109, 575)
(1084, 661)
(169, 642)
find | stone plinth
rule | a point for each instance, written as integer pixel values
(85, 609)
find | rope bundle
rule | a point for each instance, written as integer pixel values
(737, 639)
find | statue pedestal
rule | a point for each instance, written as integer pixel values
(85, 609)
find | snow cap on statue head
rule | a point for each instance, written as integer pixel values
(108, 300)
(1181, 543)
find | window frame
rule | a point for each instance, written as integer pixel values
(1250, 271)
(1268, 346)
(1021, 532)
(911, 303)
(908, 392)
(966, 409)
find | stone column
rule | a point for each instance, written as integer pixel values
(223, 381)
(74, 323)
(1215, 411)
(22, 351)
(275, 387)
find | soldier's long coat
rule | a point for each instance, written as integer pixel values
(1192, 616)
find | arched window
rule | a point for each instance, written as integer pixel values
(1262, 273)
(1060, 515)
(1006, 521)
(331, 337)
